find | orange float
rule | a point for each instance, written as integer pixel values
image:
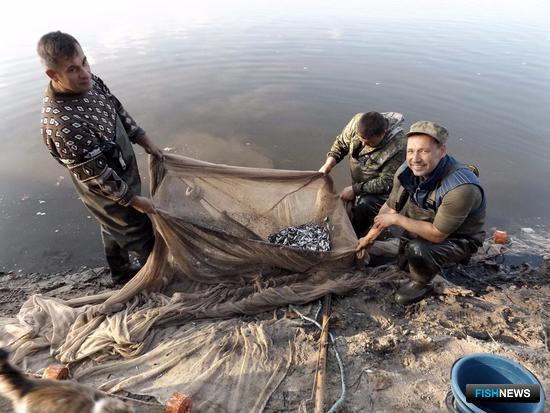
(179, 403)
(500, 237)
(56, 372)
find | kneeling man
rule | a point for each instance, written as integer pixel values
(440, 204)
(375, 143)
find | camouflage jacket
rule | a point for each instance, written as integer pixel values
(372, 169)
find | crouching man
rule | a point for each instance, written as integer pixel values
(375, 143)
(440, 204)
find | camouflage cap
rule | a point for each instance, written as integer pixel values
(425, 127)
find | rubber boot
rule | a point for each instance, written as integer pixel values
(415, 289)
(412, 291)
(123, 276)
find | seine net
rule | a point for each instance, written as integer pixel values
(171, 327)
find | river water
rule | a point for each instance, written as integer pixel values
(261, 84)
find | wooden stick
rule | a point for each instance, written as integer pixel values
(320, 377)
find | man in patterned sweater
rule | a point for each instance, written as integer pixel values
(86, 129)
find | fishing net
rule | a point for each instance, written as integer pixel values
(174, 326)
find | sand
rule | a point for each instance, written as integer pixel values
(396, 359)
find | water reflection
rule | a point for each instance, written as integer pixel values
(270, 85)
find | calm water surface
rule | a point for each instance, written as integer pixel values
(262, 85)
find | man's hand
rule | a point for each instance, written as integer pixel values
(363, 245)
(149, 146)
(383, 221)
(325, 169)
(143, 205)
(347, 194)
(329, 164)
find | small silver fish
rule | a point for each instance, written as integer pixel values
(310, 237)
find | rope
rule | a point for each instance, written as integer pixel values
(338, 359)
(130, 399)
(104, 393)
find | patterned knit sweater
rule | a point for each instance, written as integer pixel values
(80, 132)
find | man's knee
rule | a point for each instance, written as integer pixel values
(417, 249)
(422, 266)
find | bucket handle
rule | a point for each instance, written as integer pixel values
(450, 402)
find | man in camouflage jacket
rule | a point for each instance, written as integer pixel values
(375, 144)
(87, 130)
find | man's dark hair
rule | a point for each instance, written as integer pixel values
(54, 46)
(371, 124)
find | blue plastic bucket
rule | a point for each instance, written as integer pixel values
(480, 368)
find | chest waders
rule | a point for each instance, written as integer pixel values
(123, 228)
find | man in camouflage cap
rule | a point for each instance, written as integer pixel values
(375, 143)
(440, 204)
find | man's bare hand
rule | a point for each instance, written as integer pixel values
(328, 165)
(383, 221)
(150, 147)
(143, 205)
(324, 169)
(363, 245)
(347, 194)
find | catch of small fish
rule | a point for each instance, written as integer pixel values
(310, 237)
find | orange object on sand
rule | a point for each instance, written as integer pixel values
(179, 403)
(500, 237)
(56, 372)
